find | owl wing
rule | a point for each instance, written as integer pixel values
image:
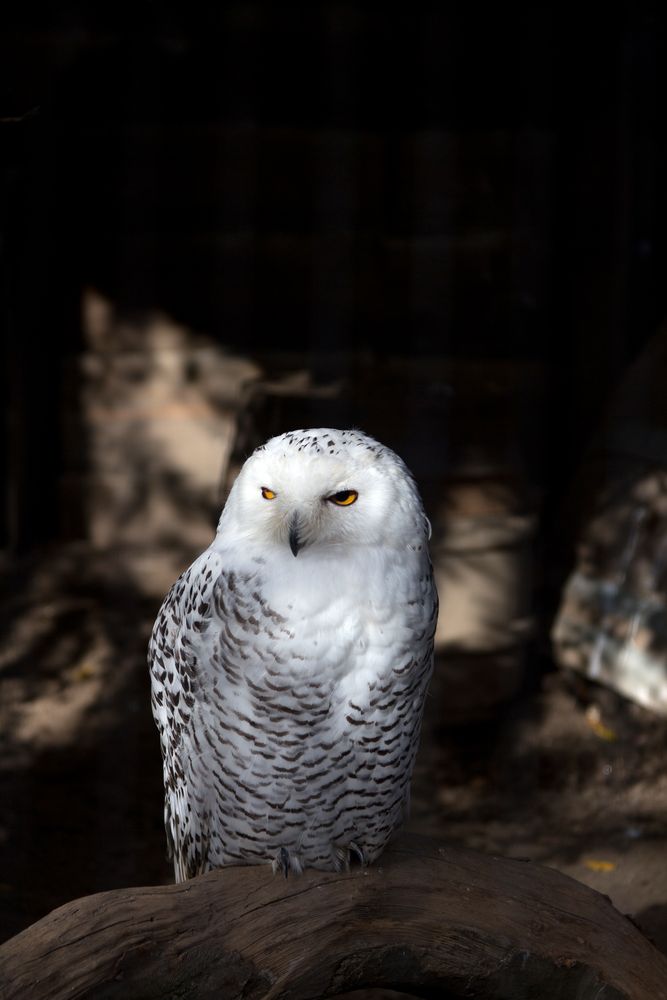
(174, 649)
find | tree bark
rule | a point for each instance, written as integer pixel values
(429, 919)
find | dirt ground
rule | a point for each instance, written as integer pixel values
(564, 773)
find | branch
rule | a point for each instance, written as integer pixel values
(427, 919)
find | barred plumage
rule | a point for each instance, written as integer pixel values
(290, 662)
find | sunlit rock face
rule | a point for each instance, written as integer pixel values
(150, 430)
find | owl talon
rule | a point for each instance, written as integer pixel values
(285, 862)
(343, 856)
(359, 855)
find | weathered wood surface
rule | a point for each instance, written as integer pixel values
(430, 920)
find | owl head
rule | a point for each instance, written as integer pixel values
(309, 490)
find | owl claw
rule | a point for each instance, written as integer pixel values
(343, 856)
(359, 855)
(285, 862)
(281, 862)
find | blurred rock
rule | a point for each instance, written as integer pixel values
(149, 433)
(612, 621)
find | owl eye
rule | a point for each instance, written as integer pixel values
(267, 493)
(344, 498)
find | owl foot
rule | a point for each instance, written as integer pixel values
(345, 857)
(285, 862)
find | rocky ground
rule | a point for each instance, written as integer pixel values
(563, 773)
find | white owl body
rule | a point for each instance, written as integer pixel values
(289, 690)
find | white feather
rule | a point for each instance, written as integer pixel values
(288, 690)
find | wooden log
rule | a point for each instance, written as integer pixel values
(430, 920)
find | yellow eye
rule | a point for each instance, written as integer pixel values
(344, 498)
(267, 493)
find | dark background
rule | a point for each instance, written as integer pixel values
(458, 209)
(434, 181)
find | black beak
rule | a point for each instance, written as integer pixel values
(294, 541)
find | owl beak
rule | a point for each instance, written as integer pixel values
(295, 542)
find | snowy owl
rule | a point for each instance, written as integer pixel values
(290, 662)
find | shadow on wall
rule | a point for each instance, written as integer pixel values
(80, 773)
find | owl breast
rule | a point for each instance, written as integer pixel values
(308, 693)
